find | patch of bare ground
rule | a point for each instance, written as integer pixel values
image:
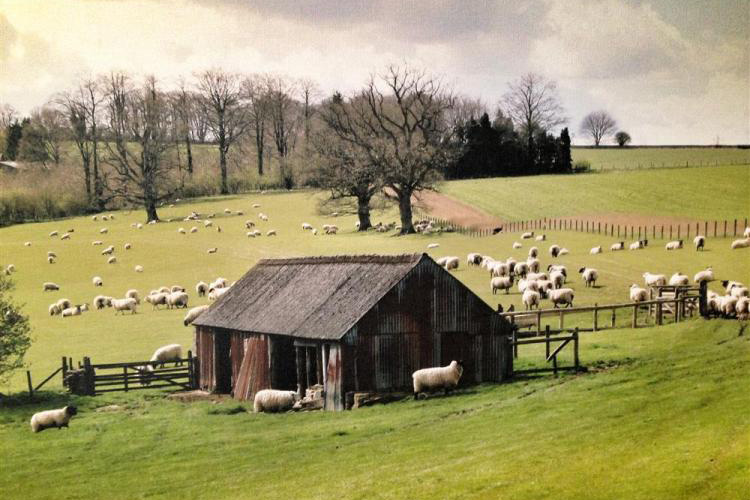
(441, 206)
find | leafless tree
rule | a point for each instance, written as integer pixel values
(8, 115)
(183, 105)
(464, 109)
(221, 102)
(309, 92)
(256, 98)
(139, 143)
(533, 105)
(598, 125)
(284, 113)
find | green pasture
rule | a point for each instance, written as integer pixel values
(631, 158)
(704, 193)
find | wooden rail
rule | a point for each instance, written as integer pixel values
(548, 339)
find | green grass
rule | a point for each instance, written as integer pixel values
(662, 414)
(634, 158)
(706, 193)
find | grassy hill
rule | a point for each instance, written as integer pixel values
(631, 158)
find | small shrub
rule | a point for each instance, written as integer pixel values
(581, 167)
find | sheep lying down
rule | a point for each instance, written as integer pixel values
(433, 379)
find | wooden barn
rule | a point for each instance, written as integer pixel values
(351, 323)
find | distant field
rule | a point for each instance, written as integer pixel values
(704, 193)
(635, 157)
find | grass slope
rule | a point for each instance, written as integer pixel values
(710, 193)
(663, 414)
(635, 157)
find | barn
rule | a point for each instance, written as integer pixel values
(359, 323)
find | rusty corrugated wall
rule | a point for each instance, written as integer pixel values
(334, 392)
(254, 373)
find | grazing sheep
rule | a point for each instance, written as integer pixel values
(740, 291)
(707, 275)
(524, 284)
(499, 269)
(541, 237)
(164, 289)
(102, 301)
(442, 377)
(250, 234)
(533, 252)
(558, 267)
(127, 246)
(728, 305)
(112, 260)
(557, 278)
(97, 281)
(218, 283)
(63, 303)
(678, 279)
(474, 259)
(53, 234)
(227, 211)
(526, 236)
(589, 275)
(433, 245)
(595, 250)
(133, 294)
(521, 269)
(617, 246)
(274, 400)
(249, 224)
(216, 293)
(256, 205)
(54, 309)
(673, 245)
(449, 263)
(531, 298)
(140, 226)
(330, 229)
(51, 260)
(103, 230)
(638, 294)
(52, 418)
(511, 263)
(165, 354)
(263, 217)
(177, 300)
(563, 251)
(562, 296)
(182, 230)
(533, 265)
(537, 276)
(314, 232)
(108, 251)
(201, 288)
(517, 245)
(501, 283)
(65, 236)
(741, 243)
(157, 299)
(654, 279)
(176, 288)
(122, 305)
(105, 218)
(138, 268)
(306, 226)
(48, 286)
(193, 229)
(742, 308)
(193, 313)
(72, 311)
(213, 250)
(699, 242)
(554, 250)
(97, 243)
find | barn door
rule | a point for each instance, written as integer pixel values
(457, 346)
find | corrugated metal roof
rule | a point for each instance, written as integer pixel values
(309, 297)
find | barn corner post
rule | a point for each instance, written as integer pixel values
(703, 299)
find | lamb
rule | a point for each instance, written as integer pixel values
(543, 286)
(177, 300)
(249, 224)
(102, 301)
(589, 275)
(554, 250)
(699, 242)
(557, 278)
(133, 294)
(263, 217)
(213, 250)
(218, 283)
(562, 296)
(167, 353)
(138, 268)
(474, 259)
(595, 250)
(617, 246)
(706, 275)
(530, 299)
(97, 281)
(673, 245)
(274, 400)
(741, 243)
(678, 279)
(443, 377)
(193, 313)
(541, 237)
(227, 211)
(517, 245)
(533, 252)
(112, 260)
(48, 286)
(654, 279)
(140, 226)
(105, 218)
(501, 283)
(177, 288)
(201, 288)
(638, 294)
(122, 305)
(526, 236)
(157, 299)
(216, 293)
(52, 418)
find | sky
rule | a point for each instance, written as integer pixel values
(669, 71)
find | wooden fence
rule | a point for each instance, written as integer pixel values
(548, 340)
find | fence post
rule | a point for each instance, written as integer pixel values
(64, 368)
(635, 316)
(735, 227)
(679, 226)
(716, 224)
(125, 376)
(31, 386)
(639, 232)
(538, 322)
(562, 316)
(515, 344)
(725, 228)
(662, 232)
(546, 342)
(575, 349)
(703, 299)
(613, 316)
(88, 374)
(596, 315)
(658, 314)
(670, 232)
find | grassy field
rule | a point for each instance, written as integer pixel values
(635, 158)
(705, 193)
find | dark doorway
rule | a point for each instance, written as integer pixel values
(456, 346)
(222, 363)
(283, 368)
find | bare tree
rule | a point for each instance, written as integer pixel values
(533, 105)
(8, 115)
(254, 93)
(139, 143)
(598, 125)
(309, 92)
(183, 104)
(284, 115)
(226, 116)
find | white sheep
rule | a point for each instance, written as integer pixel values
(53, 234)
(652, 279)
(138, 268)
(127, 246)
(742, 308)
(554, 250)
(256, 205)
(112, 260)
(52, 418)
(201, 288)
(274, 400)
(213, 250)
(589, 275)
(449, 263)
(441, 377)
(108, 251)
(673, 245)
(103, 230)
(746, 233)
(218, 283)
(638, 294)
(563, 251)
(227, 211)
(744, 243)
(140, 226)
(54, 309)
(272, 232)
(517, 245)
(216, 293)
(306, 226)
(48, 286)
(530, 299)
(526, 236)
(699, 242)
(133, 294)
(97, 281)
(533, 265)
(177, 288)
(557, 278)
(164, 289)
(105, 218)
(102, 301)
(596, 250)
(51, 260)
(63, 303)
(537, 276)
(533, 252)
(617, 246)
(193, 313)
(181, 230)
(157, 299)
(10, 268)
(177, 300)
(562, 296)
(678, 279)
(433, 245)
(193, 229)
(501, 283)
(73, 311)
(165, 354)
(97, 243)
(122, 305)
(474, 259)
(65, 236)
(521, 269)
(541, 237)
(706, 275)
(499, 269)
(27, 244)
(728, 305)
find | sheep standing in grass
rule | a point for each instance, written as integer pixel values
(554, 250)
(74, 311)
(157, 299)
(531, 299)
(127, 246)
(746, 233)
(138, 268)
(102, 301)
(521, 269)
(654, 279)
(64, 303)
(557, 278)
(53, 234)
(449, 263)
(589, 275)
(112, 260)
(48, 286)
(65, 236)
(501, 283)
(274, 400)
(52, 418)
(9, 269)
(216, 293)
(177, 300)
(541, 237)
(678, 279)
(54, 309)
(533, 252)
(596, 250)
(97, 243)
(201, 288)
(166, 354)
(108, 251)
(742, 308)
(474, 259)
(533, 265)
(51, 260)
(517, 245)
(673, 245)
(103, 230)
(193, 314)
(442, 377)
(97, 281)
(122, 305)
(706, 275)
(699, 242)
(638, 294)
(133, 294)
(617, 246)
(526, 236)
(561, 296)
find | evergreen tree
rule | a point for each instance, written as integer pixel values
(13, 139)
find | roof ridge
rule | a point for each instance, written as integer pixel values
(343, 259)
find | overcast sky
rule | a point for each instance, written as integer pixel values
(669, 71)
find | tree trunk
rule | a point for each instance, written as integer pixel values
(404, 208)
(189, 155)
(223, 168)
(151, 210)
(87, 179)
(363, 212)
(259, 149)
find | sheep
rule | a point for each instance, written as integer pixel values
(306, 226)
(554, 250)
(48, 286)
(216, 293)
(122, 305)
(72, 311)
(127, 246)
(541, 237)
(63, 303)
(521, 269)
(193, 313)
(537, 276)
(617, 246)
(558, 267)
(678, 279)
(442, 377)
(526, 236)
(563, 251)
(227, 211)
(501, 283)
(673, 245)
(589, 275)
(10, 268)
(499, 269)
(433, 245)
(164, 289)
(449, 263)
(511, 263)
(212, 250)
(218, 283)
(140, 226)
(54, 309)
(533, 265)
(103, 230)
(728, 305)
(741, 243)
(557, 278)
(595, 250)
(51, 260)
(263, 217)
(157, 299)
(746, 233)
(65, 236)
(517, 245)
(563, 296)
(138, 268)
(112, 260)
(249, 224)
(108, 251)
(133, 294)
(193, 229)
(182, 230)
(530, 299)
(699, 242)
(97, 281)
(102, 301)
(474, 259)
(706, 275)
(274, 400)
(330, 229)
(533, 252)
(52, 418)
(638, 294)
(167, 353)
(176, 288)
(256, 205)
(105, 218)
(729, 285)
(177, 300)
(654, 279)
(97, 243)
(201, 288)
(240, 212)
(739, 291)
(250, 234)
(524, 284)
(53, 234)
(742, 308)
